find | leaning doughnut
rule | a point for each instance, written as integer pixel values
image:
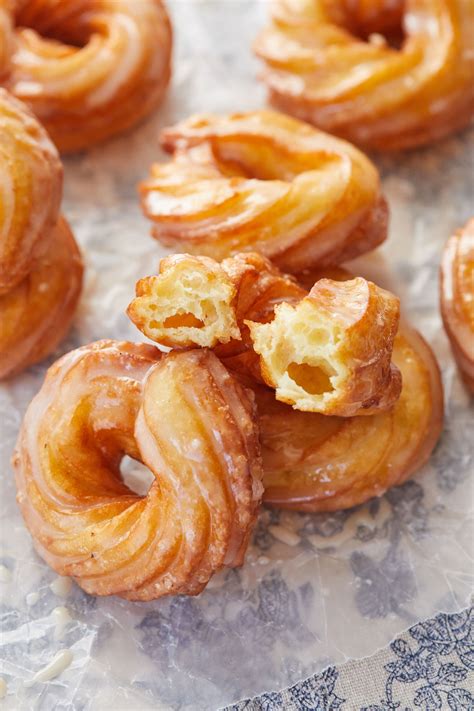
(330, 63)
(188, 420)
(457, 298)
(263, 181)
(335, 463)
(89, 69)
(40, 264)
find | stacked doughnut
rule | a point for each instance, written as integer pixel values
(388, 75)
(40, 264)
(358, 396)
(256, 362)
(89, 69)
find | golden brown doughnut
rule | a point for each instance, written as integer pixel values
(263, 181)
(335, 463)
(457, 298)
(89, 69)
(330, 62)
(40, 264)
(181, 414)
(328, 351)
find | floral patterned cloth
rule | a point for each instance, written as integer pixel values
(430, 667)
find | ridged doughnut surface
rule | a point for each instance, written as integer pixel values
(89, 69)
(263, 181)
(188, 420)
(387, 75)
(457, 298)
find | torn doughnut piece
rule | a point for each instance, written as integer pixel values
(331, 353)
(189, 303)
(195, 301)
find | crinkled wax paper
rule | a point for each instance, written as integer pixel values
(315, 589)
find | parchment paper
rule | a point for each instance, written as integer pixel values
(315, 589)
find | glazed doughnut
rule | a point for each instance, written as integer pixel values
(335, 463)
(181, 414)
(40, 264)
(326, 62)
(263, 181)
(89, 69)
(329, 351)
(457, 298)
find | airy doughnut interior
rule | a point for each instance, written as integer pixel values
(331, 352)
(299, 352)
(187, 304)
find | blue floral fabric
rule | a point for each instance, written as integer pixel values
(429, 668)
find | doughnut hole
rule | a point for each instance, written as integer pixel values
(379, 23)
(257, 157)
(64, 23)
(135, 475)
